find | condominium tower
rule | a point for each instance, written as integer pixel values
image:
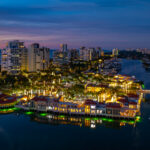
(38, 58)
(14, 57)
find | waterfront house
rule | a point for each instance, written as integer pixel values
(94, 108)
(113, 109)
(42, 103)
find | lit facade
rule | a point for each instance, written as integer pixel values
(14, 58)
(38, 58)
(87, 54)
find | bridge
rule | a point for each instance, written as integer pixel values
(145, 91)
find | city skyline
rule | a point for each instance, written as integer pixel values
(115, 23)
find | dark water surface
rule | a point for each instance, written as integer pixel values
(21, 132)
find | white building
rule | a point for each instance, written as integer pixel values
(14, 57)
(38, 58)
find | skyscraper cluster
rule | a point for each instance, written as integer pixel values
(87, 54)
(65, 55)
(16, 58)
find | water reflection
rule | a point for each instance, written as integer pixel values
(90, 122)
(8, 110)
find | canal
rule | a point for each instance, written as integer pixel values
(19, 131)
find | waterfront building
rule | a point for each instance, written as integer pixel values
(43, 103)
(122, 108)
(38, 58)
(14, 57)
(113, 109)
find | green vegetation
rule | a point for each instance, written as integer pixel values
(68, 80)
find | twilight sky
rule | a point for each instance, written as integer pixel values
(91, 23)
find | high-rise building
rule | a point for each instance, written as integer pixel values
(87, 54)
(73, 54)
(38, 58)
(115, 52)
(14, 57)
(84, 54)
(63, 47)
(99, 50)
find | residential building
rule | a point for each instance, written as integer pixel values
(84, 54)
(87, 54)
(38, 58)
(14, 57)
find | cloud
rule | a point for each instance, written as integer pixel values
(97, 21)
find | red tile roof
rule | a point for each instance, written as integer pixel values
(90, 102)
(113, 105)
(8, 100)
(40, 99)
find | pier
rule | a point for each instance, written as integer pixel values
(145, 91)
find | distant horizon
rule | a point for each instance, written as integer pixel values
(27, 43)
